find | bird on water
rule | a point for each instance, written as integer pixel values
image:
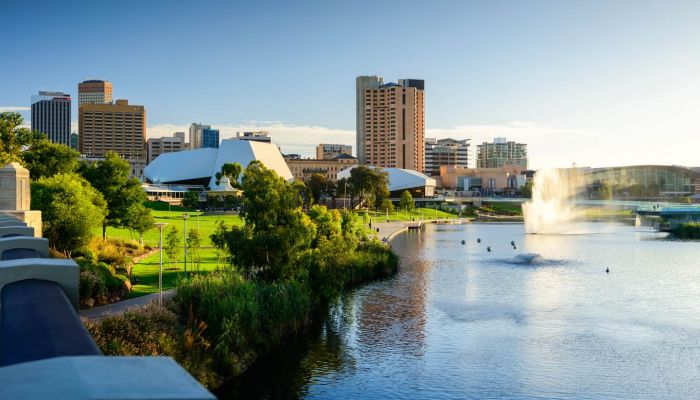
(607, 270)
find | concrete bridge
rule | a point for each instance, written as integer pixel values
(45, 350)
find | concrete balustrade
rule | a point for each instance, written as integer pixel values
(16, 222)
(38, 245)
(9, 231)
(66, 273)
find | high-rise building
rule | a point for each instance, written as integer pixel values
(210, 138)
(203, 136)
(51, 116)
(440, 152)
(500, 153)
(330, 151)
(166, 144)
(74, 143)
(257, 136)
(391, 123)
(118, 127)
(94, 92)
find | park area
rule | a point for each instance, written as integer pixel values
(144, 274)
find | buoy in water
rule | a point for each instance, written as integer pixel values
(488, 248)
(607, 270)
(464, 241)
(515, 247)
(478, 240)
(512, 243)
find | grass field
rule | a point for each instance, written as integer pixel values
(146, 271)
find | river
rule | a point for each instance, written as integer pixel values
(459, 322)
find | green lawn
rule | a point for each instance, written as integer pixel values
(418, 213)
(146, 271)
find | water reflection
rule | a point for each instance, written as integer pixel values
(461, 322)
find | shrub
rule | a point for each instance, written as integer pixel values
(156, 331)
(100, 283)
(687, 230)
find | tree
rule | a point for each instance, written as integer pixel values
(140, 220)
(328, 223)
(193, 243)
(317, 185)
(111, 178)
(232, 171)
(276, 232)
(172, 244)
(218, 239)
(44, 158)
(191, 200)
(70, 209)
(14, 138)
(406, 202)
(386, 205)
(526, 190)
(370, 185)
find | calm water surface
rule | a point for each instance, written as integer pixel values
(460, 322)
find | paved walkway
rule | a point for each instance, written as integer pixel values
(118, 308)
(387, 230)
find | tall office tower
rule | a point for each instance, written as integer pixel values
(51, 115)
(94, 92)
(165, 144)
(445, 152)
(74, 143)
(391, 123)
(501, 152)
(210, 137)
(118, 127)
(256, 136)
(330, 151)
(363, 83)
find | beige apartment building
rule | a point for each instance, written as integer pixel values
(330, 151)
(391, 123)
(302, 168)
(94, 92)
(117, 127)
(166, 144)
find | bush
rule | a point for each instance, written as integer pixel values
(156, 331)
(687, 230)
(100, 284)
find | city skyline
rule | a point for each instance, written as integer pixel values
(592, 83)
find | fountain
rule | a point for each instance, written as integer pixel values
(552, 209)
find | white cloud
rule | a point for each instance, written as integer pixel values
(14, 108)
(548, 146)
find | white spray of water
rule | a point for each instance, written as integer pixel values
(552, 209)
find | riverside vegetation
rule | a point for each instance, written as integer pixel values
(286, 266)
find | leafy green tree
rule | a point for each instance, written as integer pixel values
(351, 225)
(526, 190)
(406, 202)
(370, 185)
(140, 221)
(194, 243)
(111, 178)
(276, 232)
(191, 200)
(317, 185)
(603, 191)
(386, 205)
(172, 244)
(44, 158)
(14, 137)
(218, 239)
(232, 171)
(70, 209)
(328, 223)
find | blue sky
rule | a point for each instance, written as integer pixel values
(592, 82)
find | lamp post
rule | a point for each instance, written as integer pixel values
(184, 234)
(160, 226)
(345, 196)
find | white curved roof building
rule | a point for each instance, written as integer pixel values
(198, 167)
(403, 179)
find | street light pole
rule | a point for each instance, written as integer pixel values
(184, 234)
(345, 196)
(160, 226)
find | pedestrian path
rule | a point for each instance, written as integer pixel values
(97, 313)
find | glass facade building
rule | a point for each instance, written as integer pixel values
(210, 138)
(646, 180)
(51, 115)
